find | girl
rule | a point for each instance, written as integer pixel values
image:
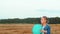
(45, 26)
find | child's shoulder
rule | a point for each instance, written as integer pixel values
(48, 26)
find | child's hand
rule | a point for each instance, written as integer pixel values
(44, 31)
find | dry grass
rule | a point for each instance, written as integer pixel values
(24, 28)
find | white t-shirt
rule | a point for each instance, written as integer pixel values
(43, 28)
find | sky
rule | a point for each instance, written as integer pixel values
(29, 8)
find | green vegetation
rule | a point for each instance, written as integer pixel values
(55, 20)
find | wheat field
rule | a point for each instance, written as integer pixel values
(24, 28)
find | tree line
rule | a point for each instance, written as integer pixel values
(52, 20)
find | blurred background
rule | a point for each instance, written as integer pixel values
(19, 16)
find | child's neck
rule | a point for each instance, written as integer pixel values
(44, 24)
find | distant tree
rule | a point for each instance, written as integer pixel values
(54, 20)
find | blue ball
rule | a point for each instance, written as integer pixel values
(37, 29)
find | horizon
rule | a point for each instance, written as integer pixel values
(29, 17)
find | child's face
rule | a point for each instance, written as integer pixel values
(43, 20)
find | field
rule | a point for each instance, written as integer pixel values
(24, 28)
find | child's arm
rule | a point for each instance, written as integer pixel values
(47, 30)
(44, 31)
